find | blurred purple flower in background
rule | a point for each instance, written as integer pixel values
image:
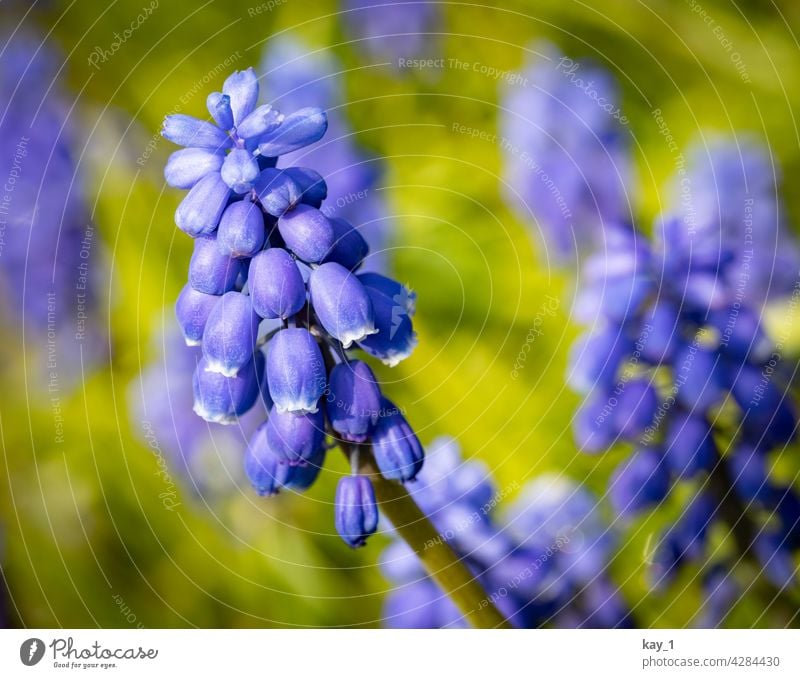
(565, 152)
(384, 29)
(729, 202)
(296, 76)
(542, 560)
(49, 259)
(678, 364)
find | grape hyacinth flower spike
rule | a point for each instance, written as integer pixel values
(276, 302)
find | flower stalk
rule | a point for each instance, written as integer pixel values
(435, 554)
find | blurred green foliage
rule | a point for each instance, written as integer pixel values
(85, 525)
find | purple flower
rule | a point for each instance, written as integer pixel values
(277, 191)
(220, 399)
(341, 303)
(295, 371)
(201, 209)
(241, 87)
(388, 30)
(276, 285)
(187, 166)
(210, 270)
(297, 130)
(240, 170)
(639, 482)
(349, 248)
(354, 400)
(296, 437)
(544, 557)
(397, 449)
(264, 468)
(689, 445)
(52, 268)
(395, 338)
(230, 334)
(565, 152)
(307, 232)
(185, 130)
(264, 247)
(192, 310)
(241, 231)
(636, 408)
(298, 77)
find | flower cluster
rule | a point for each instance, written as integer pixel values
(297, 77)
(543, 560)
(264, 251)
(565, 153)
(47, 239)
(678, 364)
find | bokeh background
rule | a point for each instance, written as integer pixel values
(102, 525)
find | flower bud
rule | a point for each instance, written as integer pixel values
(311, 183)
(349, 247)
(219, 106)
(295, 437)
(295, 371)
(242, 88)
(239, 171)
(220, 399)
(185, 130)
(211, 271)
(392, 310)
(263, 119)
(297, 130)
(192, 310)
(307, 232)
(187, 166)
(304, 477)
(276, 285)
(354, 400)
(263, 467)
(230, 334)
(341, 303)
(241, 231)
(356, 511)
(397, 450)
(200, 211)
(277, 191)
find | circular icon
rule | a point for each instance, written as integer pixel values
(31, 651)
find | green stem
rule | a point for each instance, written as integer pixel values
(413, 526)
(744, 532)
(435, 554)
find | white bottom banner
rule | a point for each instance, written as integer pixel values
(406, 654)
